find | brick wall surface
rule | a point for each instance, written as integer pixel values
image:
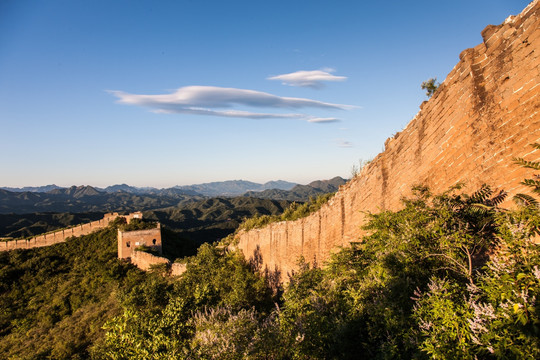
(485, 113)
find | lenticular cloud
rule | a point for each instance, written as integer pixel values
(210, 100)
(314, 79)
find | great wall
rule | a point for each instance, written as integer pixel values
(62, 235)
(128, 242)
(484, 113)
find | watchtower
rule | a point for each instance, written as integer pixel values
(129, 241)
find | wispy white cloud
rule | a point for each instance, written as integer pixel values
(209, 100)
(344, 143)
(322, 120)
(230, 113)
(314, 79)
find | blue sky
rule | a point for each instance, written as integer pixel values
(164, 93)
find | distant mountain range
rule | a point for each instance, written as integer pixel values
(78, 199)
(45, 188)
(194, 216)
(219, 188)
(235, 187)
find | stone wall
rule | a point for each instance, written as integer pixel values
(59, 236)
(485, 113)
(144, 260)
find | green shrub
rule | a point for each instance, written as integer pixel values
(430, 85)
(294, 212)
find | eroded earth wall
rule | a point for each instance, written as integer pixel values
(485, 113)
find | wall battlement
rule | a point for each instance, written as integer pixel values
(64, 234)
(484, 113)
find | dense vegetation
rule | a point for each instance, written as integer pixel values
(55, 299)
(448, 277)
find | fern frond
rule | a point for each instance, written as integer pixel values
(480, 208)
(481, 195)
(527, 164)
(525, 200)
(498, 199)
(456, 186)
(531, 183)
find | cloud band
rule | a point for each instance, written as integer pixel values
(209, 100)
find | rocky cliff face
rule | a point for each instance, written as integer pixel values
(485, 113)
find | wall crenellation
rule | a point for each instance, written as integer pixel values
(486, 112)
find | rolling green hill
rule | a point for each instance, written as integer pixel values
(300, 193)
(55, 299)
(24, 225)
(211, 219)
(87, 199)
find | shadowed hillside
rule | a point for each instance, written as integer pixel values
(215, 218)
(300, 192)
(88, 199)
